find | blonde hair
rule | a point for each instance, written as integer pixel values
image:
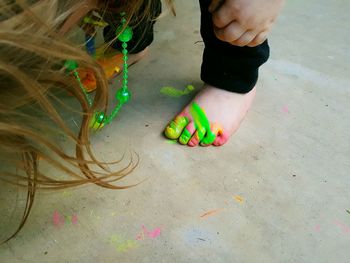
(32, 51)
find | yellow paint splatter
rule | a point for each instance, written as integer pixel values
(238, 198)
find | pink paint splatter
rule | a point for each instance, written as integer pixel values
(151, 234)
(285, 109)
(140, 236)
(155, 233)
(74, 219)
(317, 228)
(57, 219)
(345, 228)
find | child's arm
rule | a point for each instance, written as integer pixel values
(244, 22)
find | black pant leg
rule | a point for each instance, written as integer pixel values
(226, 66)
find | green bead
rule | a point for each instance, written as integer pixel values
(124, 45)
(124, 34)
(125, 51)
(70, 65)
(123, 95)
(100, 117)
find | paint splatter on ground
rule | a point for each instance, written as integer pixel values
(151, 234)
(285, 109)
(348, 211)
(238, 199)
(74, 219)
(346, 229)
(317, 228)
(171, 141)
(121, 244)
(57, 219)
(172, 92)
(211, 213)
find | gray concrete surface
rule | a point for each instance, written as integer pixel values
(289, 162)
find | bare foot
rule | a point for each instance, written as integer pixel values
(112, 63)
(225, 110)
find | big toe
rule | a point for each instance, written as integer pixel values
(176, 127)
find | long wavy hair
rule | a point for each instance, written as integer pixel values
(33, 48)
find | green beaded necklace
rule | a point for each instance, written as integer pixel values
(123, 95)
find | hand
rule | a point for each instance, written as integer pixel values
(244, 22)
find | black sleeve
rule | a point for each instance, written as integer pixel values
(226, 66)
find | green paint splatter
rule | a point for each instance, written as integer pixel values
(121, 244)
(171, 141)
(202, 124)
(127, 245)
(348, 211)
(173, 92)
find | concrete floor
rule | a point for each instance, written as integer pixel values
(277, 192)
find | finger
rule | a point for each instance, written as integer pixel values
(215, 4)
(230, 33)
(223, 16)
(245, 39)
(259, 39)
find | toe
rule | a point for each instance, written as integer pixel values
(211, 135)
(196, 138)
(175, 128)
(221, 139)
(187, 133)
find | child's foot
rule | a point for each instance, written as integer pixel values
(225, 110)
(112, 64)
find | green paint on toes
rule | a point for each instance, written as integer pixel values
(175, 128)
(185, 137)
(202, 124)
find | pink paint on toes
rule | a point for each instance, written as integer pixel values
(221, 139)
(191, 128)
(193, 142)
